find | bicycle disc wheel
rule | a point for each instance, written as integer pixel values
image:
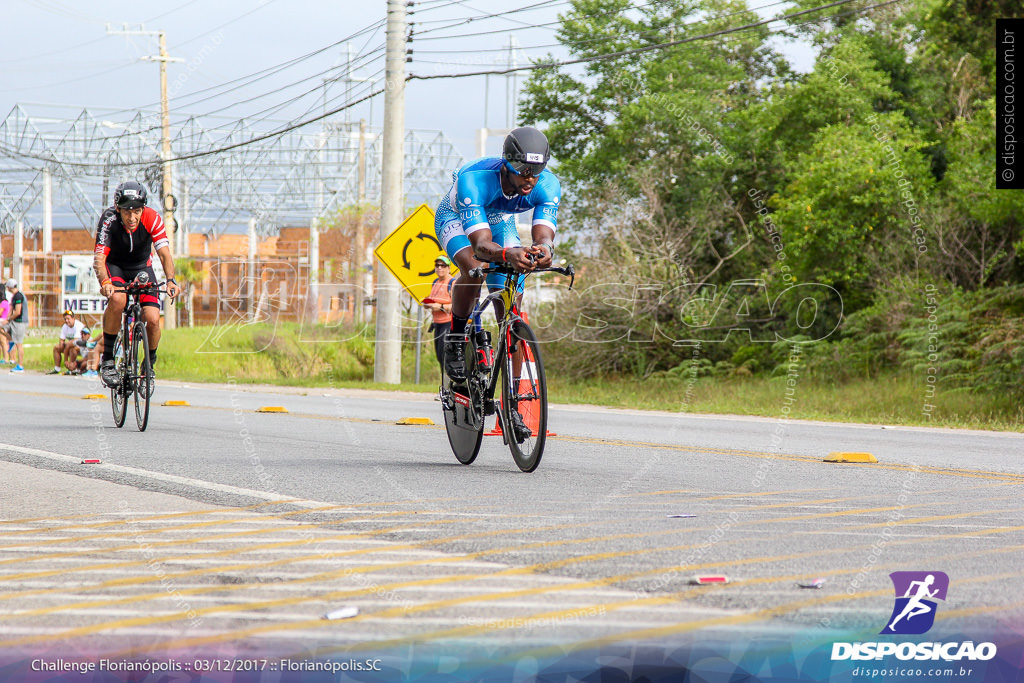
(119, 393)
(139, 371)
(527, 395)
(463, 412)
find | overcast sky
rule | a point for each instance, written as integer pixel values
(58, 52)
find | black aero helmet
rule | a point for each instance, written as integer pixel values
(130, 195)
(526, 151)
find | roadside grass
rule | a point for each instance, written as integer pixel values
(894, 399)
(342, 357)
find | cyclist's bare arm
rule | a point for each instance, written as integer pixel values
(543, 244)
(167, 261)
(99, 266)
(489, 251)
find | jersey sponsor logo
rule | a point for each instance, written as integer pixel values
(534, 158)
(467, 201)
(466, 214)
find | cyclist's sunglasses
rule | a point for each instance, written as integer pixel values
(523, 168)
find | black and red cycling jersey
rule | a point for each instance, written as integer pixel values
(130, 250)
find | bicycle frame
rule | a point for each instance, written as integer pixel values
(131, 349)
(509, 297)
(523, 390)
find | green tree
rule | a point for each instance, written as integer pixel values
(847, 212)
(975, 229)
(189, 276)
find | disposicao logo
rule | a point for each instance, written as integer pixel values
(914, 614)
(916, 592)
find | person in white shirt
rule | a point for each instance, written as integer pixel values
(65, 349)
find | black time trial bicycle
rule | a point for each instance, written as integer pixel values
(516, 361)
(131, 355)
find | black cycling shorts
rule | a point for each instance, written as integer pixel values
(122, 276)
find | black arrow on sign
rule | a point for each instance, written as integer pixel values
(408, 243)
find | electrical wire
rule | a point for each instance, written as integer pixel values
(639, 34)
(260, 5)
(257, 76)
(262, 74)
(647, 48)
(298, 124)
(196, 155)
(517, 10)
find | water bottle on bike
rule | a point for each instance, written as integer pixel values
(484, 350)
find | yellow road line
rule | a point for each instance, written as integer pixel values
(520, 570)
(146, 518)
(220, 536)
(296, 560)
(128, 519)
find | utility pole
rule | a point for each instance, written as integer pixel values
(510, 83)
(361, 279)
(165, 149)
(387, 367)
(47, 210)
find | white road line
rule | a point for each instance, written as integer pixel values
(167, 478)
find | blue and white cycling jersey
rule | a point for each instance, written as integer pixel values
(476, 201)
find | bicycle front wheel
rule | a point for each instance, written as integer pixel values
(119, 393)
(526, 395)
(140, 371)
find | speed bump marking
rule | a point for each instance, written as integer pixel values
(176, 403)
(91, 396)
(415, 421)
(272, 409)
(839, 456)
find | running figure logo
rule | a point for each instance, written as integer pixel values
(914, 612)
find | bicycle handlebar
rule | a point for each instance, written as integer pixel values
(477, 273)
(147, 287)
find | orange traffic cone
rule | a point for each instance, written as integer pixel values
(528, 410)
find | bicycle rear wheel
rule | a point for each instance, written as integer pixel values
(463, 411)
(139, 371)
(119, 393)
(527, 395)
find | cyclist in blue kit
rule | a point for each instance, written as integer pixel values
(475, 224)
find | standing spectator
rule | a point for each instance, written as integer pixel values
(5, 327)
(65, 351)
(19, 324)
(439, 303)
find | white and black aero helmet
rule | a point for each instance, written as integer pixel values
(526, 151)
(130, 195)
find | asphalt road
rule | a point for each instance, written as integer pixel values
(225, 527)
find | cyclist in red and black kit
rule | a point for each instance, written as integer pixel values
(126, 235)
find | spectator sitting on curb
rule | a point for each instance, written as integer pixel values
(88, 360)
(19, 325)
(65, 350)
(5, 328)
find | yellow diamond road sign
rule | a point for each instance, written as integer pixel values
(409, 252)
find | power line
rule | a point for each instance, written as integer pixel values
(639, 34)
(259, 75)
(258, 7)
(612, 55)
(470, 20)
(648, 48)
(196, 155)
